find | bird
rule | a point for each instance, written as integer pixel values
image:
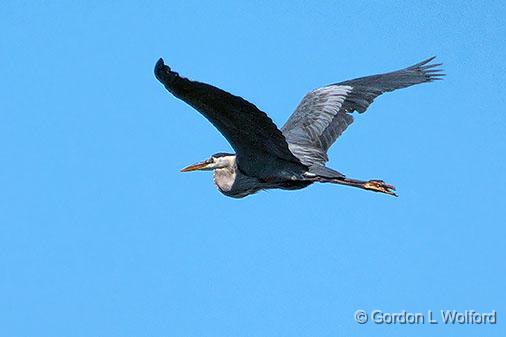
(294, 156)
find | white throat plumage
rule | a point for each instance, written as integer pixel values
(225, 172)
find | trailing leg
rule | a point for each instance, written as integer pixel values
(371, 185)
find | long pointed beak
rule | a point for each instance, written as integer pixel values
(195, 167)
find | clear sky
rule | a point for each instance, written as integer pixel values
(101, 235)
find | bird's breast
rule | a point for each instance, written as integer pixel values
(224, 179)
(235, 184)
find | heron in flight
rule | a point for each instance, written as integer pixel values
(294, 156)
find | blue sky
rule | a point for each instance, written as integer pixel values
(101, 235)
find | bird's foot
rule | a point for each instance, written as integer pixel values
(380, 186)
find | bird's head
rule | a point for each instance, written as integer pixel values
(216, 161)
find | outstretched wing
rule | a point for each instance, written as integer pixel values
(259, 144)
(324, 113)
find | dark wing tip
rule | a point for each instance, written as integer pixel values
(162, 71)
(159, 69)
(428, 70)
(424, 62)
(159, 63)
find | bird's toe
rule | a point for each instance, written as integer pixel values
(380, 186)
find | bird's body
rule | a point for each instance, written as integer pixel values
(295, 156)
(232, 182)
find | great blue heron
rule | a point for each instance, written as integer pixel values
(295, 156)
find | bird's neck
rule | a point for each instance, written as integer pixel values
(225, 177)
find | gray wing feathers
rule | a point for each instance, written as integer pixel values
(318, 111)
(324, 113)
(366, 89)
